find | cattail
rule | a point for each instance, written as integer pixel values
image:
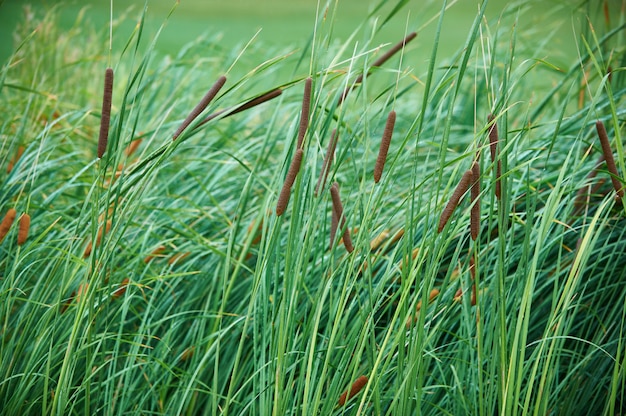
(101, 232)
(356, 387)
(334, 224)
(178, 257)
(105, 118)
(493, 147)
(330, 153)
(132, 147)
(188, 353)
(384, 58)
(67, 302)
(22, 234)
(7, 222)
(609, 72)
(306, 108)
(384, 146)
(608, 157)
(285, 192)
(121, 289)
(379, 240)
(475, 192)
(15, 158)
(245, 106)
(155, 253)
(431, 296)
(206, 100)
(461, 188)
(338, 208)
(82, 291)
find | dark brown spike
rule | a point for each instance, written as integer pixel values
(206, 100)
(245, 106)
(475, 191)
(285, 192)
(330, 153)
(105, 117)
(608, 157)
(461, 188)
(384, 58)
(7, 222)
(356, 387)
(384, 146)
(306, 109)
(338, 208)
(22, 234)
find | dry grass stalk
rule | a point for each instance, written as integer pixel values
(22, 234)
(356, 387)
(461, 188)
(121, 289)
(245, 106)
(7, 222)
(306, 109)
(384, 146)
(608, 157)
(384, 58)
(338, 208)
(493, 148)
(206, 100)
(330, 153)
(105, 118)
(155, 253)
(475, 192)
(285, 192)
(16, 157)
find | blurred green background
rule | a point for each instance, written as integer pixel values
(286, 23)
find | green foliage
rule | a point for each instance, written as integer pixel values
(198, 299)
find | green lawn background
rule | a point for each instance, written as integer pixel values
(287, 23)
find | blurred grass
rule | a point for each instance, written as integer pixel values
(286, 23)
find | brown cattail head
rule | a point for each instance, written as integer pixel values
(334, 224)
(461, 188)
(609, 72)
(105, 118)
(608, 157)
(475, 192)
(356, 387)
(15, 158)
(306, 108)
(178, 257)
(330, 153)
(155, 253)
(245, 106)
(338, 208)
(22, 234)
(7, 222)
(493, 148)
(285, 192)
(102, 231)
(384, 58)
(133, 146)
(206, 100)
(121, 289)
(384, 146)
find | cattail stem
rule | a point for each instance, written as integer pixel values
(306, 109)
(608, 157)
(22, 234)
(384, 58)
(7, 222)
(330, 153)
(475, 192)
(206, 100)
(384, 146)
(338, 208)
(356, 387)
(105, 117)
(285, 192)
(461, 188)
(245, 106)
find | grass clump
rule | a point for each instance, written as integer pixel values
(163, 280)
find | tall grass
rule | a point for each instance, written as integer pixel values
(199, 299)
